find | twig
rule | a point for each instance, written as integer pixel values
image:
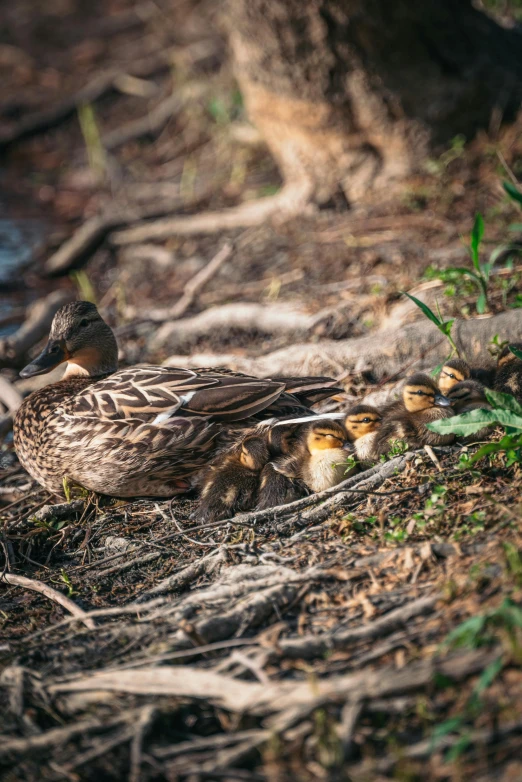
(191, 289)
(43, 120)
(433, 457)
(145, 718)
(51, 594)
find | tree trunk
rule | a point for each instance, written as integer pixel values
(350, 94)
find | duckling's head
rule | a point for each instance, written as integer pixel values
(79, 336)
(454, 371)
(362, 420)
(254, 453)
(324, 435)
(506, 356)
(421, 393)
(467, 392)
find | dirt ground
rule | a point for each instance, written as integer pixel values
(349, 637)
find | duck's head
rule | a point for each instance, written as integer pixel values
(79, 337)
(454, 371)
(325, 435)
(421, 393)
(506, 356)
(362, 420)
(465, 393)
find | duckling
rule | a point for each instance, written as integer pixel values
(405, 420)
(230, 483)
(466, 396)
(319, 456)
(454, 371)
(278, 485)
(362, 424)
(509, 372)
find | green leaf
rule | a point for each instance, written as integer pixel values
(512, 191)
(467, 634)
(516, 352)
(458, 748)
(497, 400)
(467, 272)
(448, 726)
(426, 310)
(464, 424)
(507, 418)
(447, 326)
(477, 232)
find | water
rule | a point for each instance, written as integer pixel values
(19, 240)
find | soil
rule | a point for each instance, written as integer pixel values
(416, 596)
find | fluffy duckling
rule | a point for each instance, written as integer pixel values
(406, 420)
(466, 396)
(230, 483)
(319, 456)
(362, 424)
(454, 371)
(509, 372)
(278, 486)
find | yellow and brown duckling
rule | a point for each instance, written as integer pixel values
(318, 458)
(230, 483)
(141, 431)
(362, 424)
(454, 371)
(406, 420)
(509, 372)
(466, 396)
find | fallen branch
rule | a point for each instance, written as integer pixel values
(50, 594)
(243, 696)
(35, 327)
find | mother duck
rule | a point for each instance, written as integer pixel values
(142, 431)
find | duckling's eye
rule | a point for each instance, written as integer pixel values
(83, 323)
(366, 420)
(420, 393)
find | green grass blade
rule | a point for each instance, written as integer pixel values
(477, 232)
(425, 309)
(512, 191)
(516, 352)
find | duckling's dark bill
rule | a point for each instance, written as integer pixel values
(442, 401)
(52, 355)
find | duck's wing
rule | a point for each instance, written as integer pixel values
(149, 393)
(309, 390)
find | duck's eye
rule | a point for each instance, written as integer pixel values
(83, 323)
(55, 349)
(366, 420)
(419, 393)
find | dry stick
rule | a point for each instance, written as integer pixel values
(57, 736)
(144, 721)
(315, 646)
(191, 289)
(51, 594)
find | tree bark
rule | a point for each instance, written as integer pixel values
(350, 94)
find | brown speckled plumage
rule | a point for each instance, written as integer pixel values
(142, 431)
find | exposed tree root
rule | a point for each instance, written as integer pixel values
(416, 346)
(290, 201)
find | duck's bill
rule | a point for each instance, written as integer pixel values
(51, 356)
(442, 401)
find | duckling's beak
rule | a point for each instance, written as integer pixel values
(442, 401)
(347, 446)
(53, 354)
